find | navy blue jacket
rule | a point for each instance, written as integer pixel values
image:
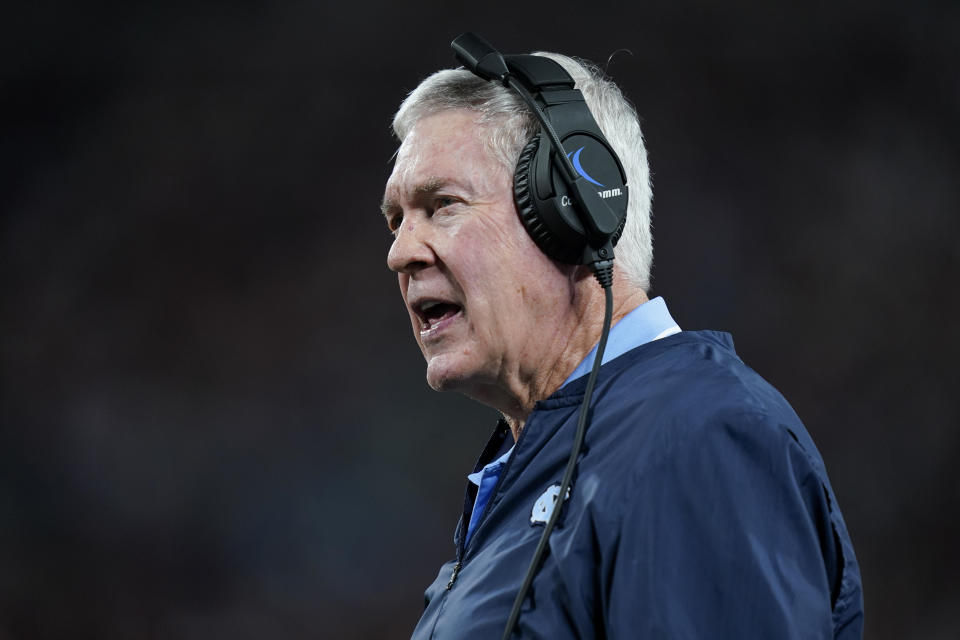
(700, 509)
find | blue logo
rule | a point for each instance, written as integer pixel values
(543, 507)
(579, 167)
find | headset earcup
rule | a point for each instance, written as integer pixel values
(526, 203)
(615, 238)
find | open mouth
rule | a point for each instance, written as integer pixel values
(434, 315)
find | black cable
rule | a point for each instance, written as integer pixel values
(603, 272)
(560, 157)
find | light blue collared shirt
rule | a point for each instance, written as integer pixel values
(648, 322)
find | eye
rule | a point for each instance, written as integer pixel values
(444, 201)
(394, 221)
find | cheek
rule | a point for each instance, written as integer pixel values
(485, 276)
(508, 283)
(492, 250)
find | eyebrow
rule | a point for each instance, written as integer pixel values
(430, 185)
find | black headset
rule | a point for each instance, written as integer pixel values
(569, 185)
(571, 192)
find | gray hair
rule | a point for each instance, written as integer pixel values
(510, 125)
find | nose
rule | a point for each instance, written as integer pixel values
(410, 251)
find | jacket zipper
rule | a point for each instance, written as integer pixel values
(453, 576)
(461, 543)
(461, 546)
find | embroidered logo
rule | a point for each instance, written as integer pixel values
(543, 507)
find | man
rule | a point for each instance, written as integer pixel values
(700, 506)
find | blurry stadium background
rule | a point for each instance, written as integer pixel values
(213, 419)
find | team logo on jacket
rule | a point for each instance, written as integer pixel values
(543, 507)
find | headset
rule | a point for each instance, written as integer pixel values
(569, 185)
(571, 193)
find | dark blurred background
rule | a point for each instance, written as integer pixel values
(213, 420)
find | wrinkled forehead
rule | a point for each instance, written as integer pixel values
(451, 144)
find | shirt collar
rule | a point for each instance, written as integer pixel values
(476, 476)
(648, 322)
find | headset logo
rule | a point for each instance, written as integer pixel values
(579, 167)
(565, 201)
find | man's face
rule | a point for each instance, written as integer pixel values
(486, 305)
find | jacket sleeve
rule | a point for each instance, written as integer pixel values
(727, 536)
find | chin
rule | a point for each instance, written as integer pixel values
(447, 372)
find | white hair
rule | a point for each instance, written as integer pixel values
(510, 125)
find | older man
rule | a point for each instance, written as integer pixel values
(700, 507)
